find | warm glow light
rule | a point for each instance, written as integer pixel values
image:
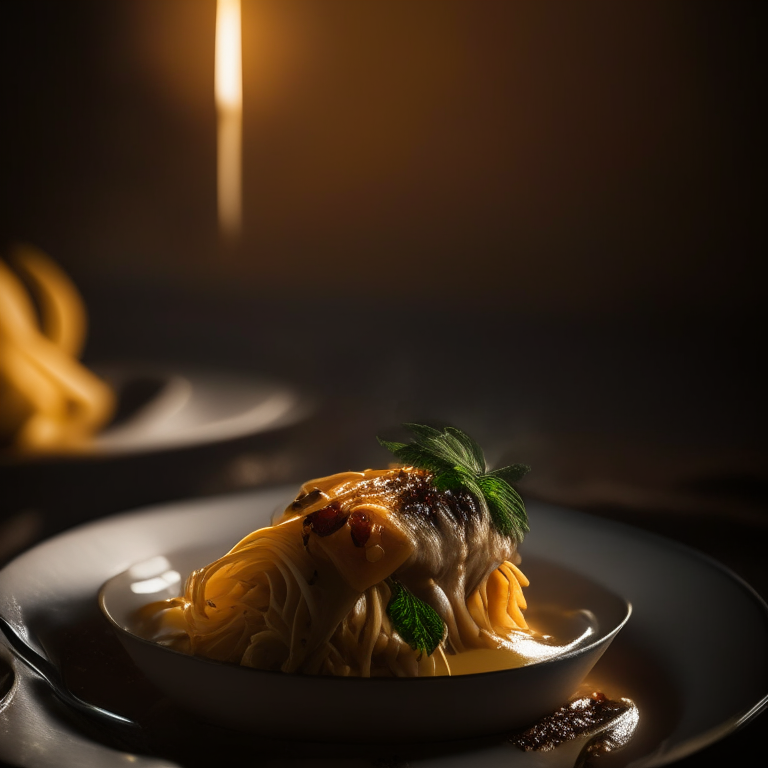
(229, 104)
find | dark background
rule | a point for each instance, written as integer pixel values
(543, 222)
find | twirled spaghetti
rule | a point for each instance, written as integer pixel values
(317, 592)
(48, 400)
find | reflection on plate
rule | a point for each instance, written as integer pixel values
(694, 675)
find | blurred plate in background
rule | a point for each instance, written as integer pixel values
(176, 434)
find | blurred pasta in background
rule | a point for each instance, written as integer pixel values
(48, 399)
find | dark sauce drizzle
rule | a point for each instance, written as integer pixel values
(611, 724)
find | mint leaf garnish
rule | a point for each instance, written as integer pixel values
(414, 620)
(505, 505)
(457, 462)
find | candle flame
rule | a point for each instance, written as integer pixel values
(229, 105)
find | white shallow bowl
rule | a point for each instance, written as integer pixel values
(406, 709)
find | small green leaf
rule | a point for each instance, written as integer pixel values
(505, 505)
(454, 479)
(474, 457)
(457, 462)
(416, 456)
(415, 621)
(451, 445)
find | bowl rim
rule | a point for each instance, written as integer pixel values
(603, 638)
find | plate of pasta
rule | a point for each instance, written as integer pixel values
(691, 680)
(54, 405)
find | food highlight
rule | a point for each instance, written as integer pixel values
(48, 399)
(409, 571)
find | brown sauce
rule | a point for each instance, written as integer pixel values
(611, 723)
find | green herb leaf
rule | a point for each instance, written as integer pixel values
(416, 456)
(414, 620)
(451, 446)
(457, 462)
(505, 505)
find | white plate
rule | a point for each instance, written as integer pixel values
(161, 409)
(692, 656)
